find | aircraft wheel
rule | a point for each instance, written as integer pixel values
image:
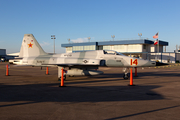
(63, 77)
(125, 76)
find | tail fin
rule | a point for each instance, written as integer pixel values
(30, 47)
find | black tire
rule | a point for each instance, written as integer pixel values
(63, 77)
(125, 76)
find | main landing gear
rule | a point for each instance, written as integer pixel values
(64, 77)
(59, 73)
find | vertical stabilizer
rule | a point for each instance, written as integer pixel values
(30, 47)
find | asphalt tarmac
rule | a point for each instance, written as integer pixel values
(28, 94)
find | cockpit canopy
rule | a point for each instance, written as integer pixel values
(112, 52)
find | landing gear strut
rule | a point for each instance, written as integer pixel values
(59, 73)
(126, 71)
(126, 76)
(64, 77)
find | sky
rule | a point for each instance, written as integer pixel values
(78, 19)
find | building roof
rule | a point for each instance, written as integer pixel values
(122, 42)
(79, 44)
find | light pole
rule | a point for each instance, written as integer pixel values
(53, 37)
(113, 36)
(89, 39)
(140, 34)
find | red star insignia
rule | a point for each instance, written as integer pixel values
(30, 45)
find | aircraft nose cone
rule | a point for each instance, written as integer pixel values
(161, 64)
(151, 63)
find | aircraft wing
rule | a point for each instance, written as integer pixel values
(75, 62)
(70, 65)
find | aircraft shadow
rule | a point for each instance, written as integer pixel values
(158, 74)
(35, 93)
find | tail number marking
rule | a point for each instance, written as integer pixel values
(135, 62)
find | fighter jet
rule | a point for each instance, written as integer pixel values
(78, 63)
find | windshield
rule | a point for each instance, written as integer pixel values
(111, 52)
(117, 53)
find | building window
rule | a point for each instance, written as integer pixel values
(133, 46)
(77, 48)
(106, 47)
(90, 47)
(117, 47)
(68, 49)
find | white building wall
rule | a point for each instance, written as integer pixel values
(178, 57)
(163, 57)
(168, 57)
(154, 48)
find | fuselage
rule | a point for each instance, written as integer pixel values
(98, 57)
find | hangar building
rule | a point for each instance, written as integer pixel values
(138, 48)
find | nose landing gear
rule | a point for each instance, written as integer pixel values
(126, 71)
(126, 76)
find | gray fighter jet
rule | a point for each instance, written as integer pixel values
(78, 63)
